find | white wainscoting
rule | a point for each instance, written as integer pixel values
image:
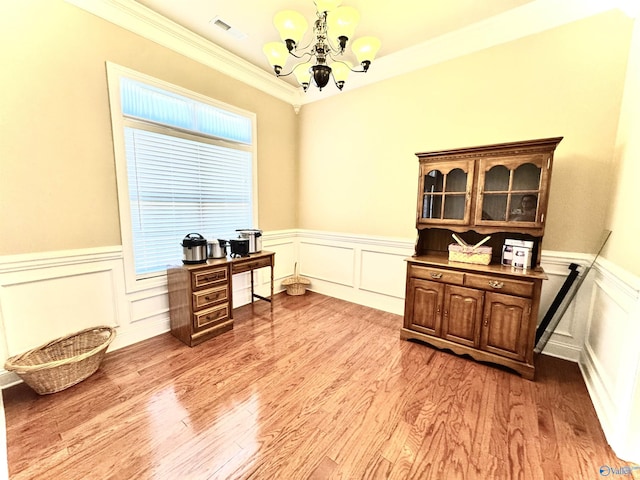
(568, 336)
(610, 358)
(362, 269)
(47, 295)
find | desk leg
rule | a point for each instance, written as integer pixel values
(251, 272)
(271, 297)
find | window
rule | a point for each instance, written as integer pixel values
(185, 164)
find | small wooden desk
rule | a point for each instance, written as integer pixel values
(201, 295)
(251, 263)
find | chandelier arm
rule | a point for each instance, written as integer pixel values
(337, 51)
(301, 56)
(296, 65)
(346, 64)
(305, 47)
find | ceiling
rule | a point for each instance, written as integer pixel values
(398, 25)
(414, 33)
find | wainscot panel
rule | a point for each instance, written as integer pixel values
(363, 269)
(610, 360)
(568, 337)
(49, 295)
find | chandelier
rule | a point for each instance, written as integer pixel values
(321, 58)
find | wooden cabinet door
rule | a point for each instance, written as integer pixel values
(513, 191)
(462, 315)
(444, 195)
(424, 306)
(506, 325)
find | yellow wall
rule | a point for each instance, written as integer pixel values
(57, 180)
(358, 169)
(624, 213)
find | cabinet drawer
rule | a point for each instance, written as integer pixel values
(205, 298)
(207, 278)
(250, 265)
(211, 315)
(436, 275)
(500, 285)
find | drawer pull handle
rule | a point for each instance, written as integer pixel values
(496, 284)
(211, 278)
(436, 275)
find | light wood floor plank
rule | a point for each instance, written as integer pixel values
(318, 388)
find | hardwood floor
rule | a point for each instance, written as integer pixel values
(317, 389)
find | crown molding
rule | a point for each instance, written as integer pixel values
(531, 18)
(143, 21)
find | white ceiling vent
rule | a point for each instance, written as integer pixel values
(225, 27)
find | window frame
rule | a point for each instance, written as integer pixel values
(133, 281)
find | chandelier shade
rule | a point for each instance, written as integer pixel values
(321, 59)
(277, 54)
(366, 49)
(291, 25)
(341, 24)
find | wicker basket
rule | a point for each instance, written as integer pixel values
(63, 362)
(462, 252)
(296, 285)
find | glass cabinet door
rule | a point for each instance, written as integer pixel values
(510, 191)
(445, 192)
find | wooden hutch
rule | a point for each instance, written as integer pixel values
(488, 312)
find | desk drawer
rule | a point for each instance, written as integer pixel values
(245, 266)
(205, 298)
(207, 317)
(500, 285)
(208, 278)
(436, 275)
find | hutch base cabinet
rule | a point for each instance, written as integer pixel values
(482, 311)
(488, 312)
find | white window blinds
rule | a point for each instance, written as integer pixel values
(189, 169)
